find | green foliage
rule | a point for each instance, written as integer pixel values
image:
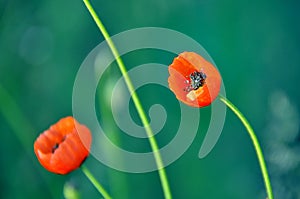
(254, 44)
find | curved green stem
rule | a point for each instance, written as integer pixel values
(257, 147)
(136, 101)
(21, 127)
(94, 181)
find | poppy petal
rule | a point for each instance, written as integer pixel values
(181, 83)
(64, 146)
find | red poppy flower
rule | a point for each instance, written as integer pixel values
(193, 80)
(64, 146)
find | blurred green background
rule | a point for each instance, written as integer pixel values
(255, 45)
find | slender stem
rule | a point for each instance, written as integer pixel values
(94, 181)
(136, 101)
(257, 147)
(21, 127)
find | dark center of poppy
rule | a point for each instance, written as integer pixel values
(197, 80)
(55, 147)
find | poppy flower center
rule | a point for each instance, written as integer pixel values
(196, 80)
(56, 145)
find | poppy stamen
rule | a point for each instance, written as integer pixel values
(55, 147)
(196, 80)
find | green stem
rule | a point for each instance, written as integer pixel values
(94, 181)
(136, 101)
(21, 127)
(19, 124)
(257, 147)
